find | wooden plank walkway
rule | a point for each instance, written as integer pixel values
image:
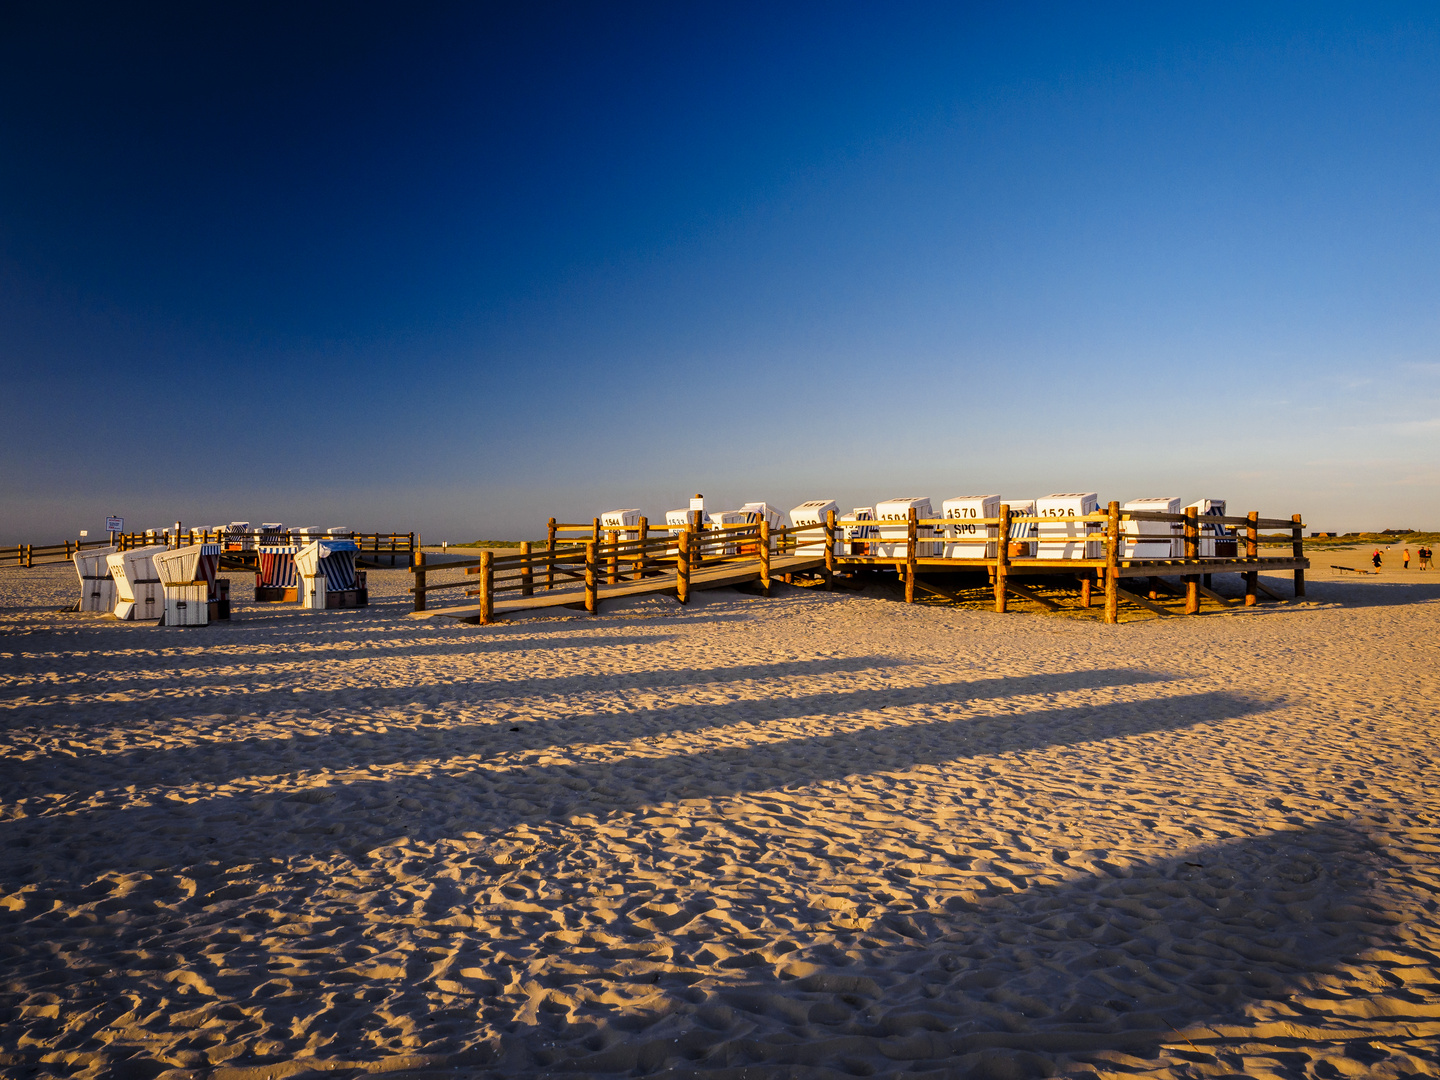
(717, 576)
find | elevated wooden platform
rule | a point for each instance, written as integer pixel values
(714, 576)
(1125, 568)
(703, 555)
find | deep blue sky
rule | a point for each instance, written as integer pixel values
(458, 268)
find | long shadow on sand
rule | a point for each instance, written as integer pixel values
(1150, 957)
(295, 693)
(1166, 953)
(463, 797)
(222, 761)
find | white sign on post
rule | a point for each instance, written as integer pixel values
(115, 524)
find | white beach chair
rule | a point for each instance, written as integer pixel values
(97, 586)
(138, 596)
(893, 516)
(188, 576)
(1152, 539)
(1069, 539)
(964, 539)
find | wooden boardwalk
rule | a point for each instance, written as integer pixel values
(716, 576)
(631, 562)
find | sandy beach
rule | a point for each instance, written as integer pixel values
(819, 835)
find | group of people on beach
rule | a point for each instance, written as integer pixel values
(1424, 555)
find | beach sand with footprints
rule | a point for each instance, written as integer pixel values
(820, 835)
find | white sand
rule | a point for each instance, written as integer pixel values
(820, 835)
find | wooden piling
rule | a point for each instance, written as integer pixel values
(682, 565)
(419, 582)
(1085, 590)
(762, 551)
(829, 549)
(1192, 551)
(612, 537)
(487, 586)
(911, 532)
(1297, 550)
(592, 576)
(550, 551)
(1112, 563)
(1002, 561)
(527, 571)
(644, 535)
(1252, 550)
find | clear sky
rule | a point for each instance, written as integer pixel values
(457, 268)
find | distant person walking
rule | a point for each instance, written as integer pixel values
(1406, 556)
(1375, 558)
(1424, 554)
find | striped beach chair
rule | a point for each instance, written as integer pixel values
(276, 581)
(328, 578)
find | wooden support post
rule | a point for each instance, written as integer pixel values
(1112, 563)
(644, 535)
(1085, 590)
(592, 576)
(419, 583)
(762, 549)
(829, 549)
(912, 531)
(550, 551)
(1002, 560)
(1252, 551)
(612, 537)
(527, 571)
(487, 586)
(682, 566)
(412, 552)
(1297, 550)
(1192, 551)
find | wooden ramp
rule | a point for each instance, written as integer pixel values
(717, 576)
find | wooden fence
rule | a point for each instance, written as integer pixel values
(632, 554)
(394, 547)
(30, 554)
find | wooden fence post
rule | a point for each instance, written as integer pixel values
(592, 576)
(1192, 551)
(1112, 563)
(763, 551)
(29, 556)
(644, 535)
(1002, 560)
(487, 586)
(682, 566)
(1297, 549)
(612, 538)
(829, 549)
(912, 531)
(419, 583)
(550, 551)
(595, 531)
(527, 570)
(1085, 589)
(1252, 551)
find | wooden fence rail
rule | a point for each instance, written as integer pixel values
(395, 546)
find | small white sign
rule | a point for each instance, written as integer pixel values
(84, 532)
(697, 504)
(114, 524)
